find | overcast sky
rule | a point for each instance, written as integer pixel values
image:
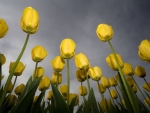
(77, 19)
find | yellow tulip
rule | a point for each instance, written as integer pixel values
(140, 71)
(58, 64)
(114, 94)
(82, 90)
(112, 81)
(71, 96)
(127, 69)
(112, 62)
(63, 90)
(19, 89)
(38, 53)
(105, 82)
(144, 50)
(101, 88)
(80, 75)
(146, 87)
(10, 88)
(50, 95)
(3, 59)
(130, 81)
(81, 61)
(29, 20)
(35, 99)
(19, 69)
(134, 88)
(102, 105)
(54, 78)
(95, 73)
(44, 83)
(3, 28)
(12, 98)
(147, 101)
(67, 48)
(104, 32)
(39, 72)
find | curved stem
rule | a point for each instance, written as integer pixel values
(12, 71)
(68, 82)
(146, 82)
(87, 80)
(35, 72)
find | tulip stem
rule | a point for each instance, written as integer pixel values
(118, 94)
(35, 72)
(111, 97)
(68, 82)
(87, 80)
(12, 71)
(0, 69)
(146, 82)
(123, 79)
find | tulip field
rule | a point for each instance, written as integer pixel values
(122, 98)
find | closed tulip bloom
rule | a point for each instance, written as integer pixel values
(38, 53)
(63, 90)
(95, 73)
(130, 81)
(39, 72)
(104, 32)
(3, 28)
(19, 89)
(101, 88)
(127, 69)
(12, 98)
(114, 94)
(147, 102)
(58, 64)
(140, 71)
(81, 61)
(102, 105)
(35, 99)
(80, 75)
(134, 88)
(144, 50)
(44, 83)
(71, 96)
(146, 87)
(105, 82)
(10, 88)
(67, 48)
(19, 69)
(112, 62)
(54, 78)
(49, 95)
(29, 20)
(82, 90)
(3, 59)
(112, 81)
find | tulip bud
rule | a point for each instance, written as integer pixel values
(50, 95)
(146, 87)
(105, 82)
(95, 73)
(127, 69)
(130, 81)
(19, 69)
(82, 90)
(3, 28)
(112, 62)
(19, 89)
(63, 90)
(44, 83)
(104, 32)
(35, 99)
(10, 88)
(29, 20)
(72, 96)
(147, 101)
(12, 98)
(144, 50)
(81, 61)
(3, 59)
(114, 94)
(38, 53)
(80, 75)
(54, 78)
(134, 88)
(140, 71)
(67, 48)
(112, 81)
(101, 88)
(39, 72)
(58, 64)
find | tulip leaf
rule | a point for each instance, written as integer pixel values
(25, 102)
(144, 109)
(71, 106)
(79, 110)
(122, 108)
(60, 102)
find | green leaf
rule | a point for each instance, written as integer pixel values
(79, 110)
(58, 99)
(71, 106)
(122, 108)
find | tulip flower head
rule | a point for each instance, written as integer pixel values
(58, 64)
(19, 89)
(29, 20)
(82, 90)
(144, 50)
(104, 32)
(114, 94)
(39, 72)
(140, 71)
(147, 102)
(112, 81)
(50, 95)
(44, 83)
(3, 28)
(63, 90)
(54, 78)
(72, 96)
(130, 81)
(112, 62)
(67, 48)
(101, 88)
(11, 99)
(38, 53)
(146, 86)
(80, 75)
(127, 69)
(105, 82)
(10, 88)
(3, 59)
(134, 88)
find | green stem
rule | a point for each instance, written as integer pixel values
(118, 95)
(146, 82)
(68, 82)
(111, 97)
(87, 80)
(35, 72)
(12, 71)
(123, 79)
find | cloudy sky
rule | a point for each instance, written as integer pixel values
(77, 19)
